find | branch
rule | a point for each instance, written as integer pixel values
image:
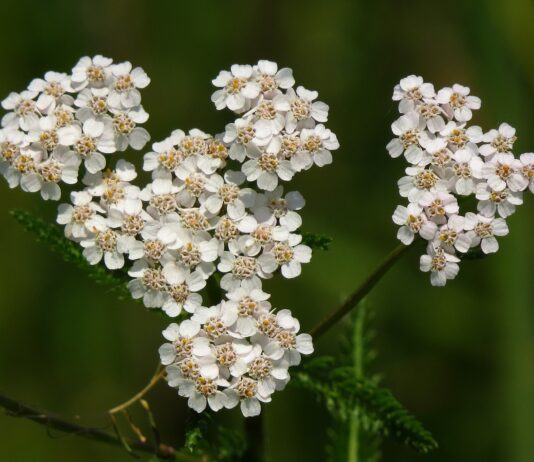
(17, 409)
(334, 316)
(158, 375)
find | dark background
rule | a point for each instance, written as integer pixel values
(461, 358)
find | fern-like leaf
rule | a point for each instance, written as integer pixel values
(52, 235)
(341, 392)
(316, 241)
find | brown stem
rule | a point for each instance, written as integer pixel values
(158, 375)
(334, 316)
(18, 409)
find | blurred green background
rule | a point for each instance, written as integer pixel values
(460, 358)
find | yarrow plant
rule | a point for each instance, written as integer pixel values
(449, 163)
(215, 208)
(217, 219)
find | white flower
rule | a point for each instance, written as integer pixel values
(223, 355)
(266, 168)
(43, 132)
(270, 118)
(24, 112)
(270, 78)
(438, 205)
(243, 271)
(127, 133)
(63, 166)
(195, 143)
(304, 110)
(131, 219)
(458, 136)
(315, 148)
(290, 255)
(527, 168)
(94, 72)
(408, 129)
(158, 239)
(237, 88)
(412, 221)
(270, 207)
(504, 170)
(501, 140)
(502, 202)
(181, 338)
(467, 169)
(11, 142)
(204, 392)
(245, 391)
(52, 89)
(183, 287)
(190, 181)
(89, 142)
(459, 102)
(256, 236)
(75, 217)
(452, 235)
(124, 92)
(113, 186)
(216, 319)
(215, 156)
(412, 91)
(227, 193)
(419, 185)
(104, 243)
(161, 196)
(285, 342)
(250, 303)
(436, 153)
(442, 265)
(93, 104)
(23, 165)
(239, 135)
(433, 115)
(164, 158)
(149, 284)
(270, 375)
(199, 252)
(482, 231)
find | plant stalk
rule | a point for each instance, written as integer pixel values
(158, 375)
(18, 409)
(350, 303)
(254, 431)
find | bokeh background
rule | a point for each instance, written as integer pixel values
(461, 358)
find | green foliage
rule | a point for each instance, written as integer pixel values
(205, 437)
(52, 235)
(317, 241)
(339, 389)
(362, 412)
(196, 430)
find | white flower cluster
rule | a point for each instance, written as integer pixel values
(214, 208)
(450, 161)
(238, 351)
(62, 120)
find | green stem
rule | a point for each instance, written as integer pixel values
(254, 433)
(358, 359)
(334, 316)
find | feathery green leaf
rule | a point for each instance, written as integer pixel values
(316, 241)
(52, 235)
